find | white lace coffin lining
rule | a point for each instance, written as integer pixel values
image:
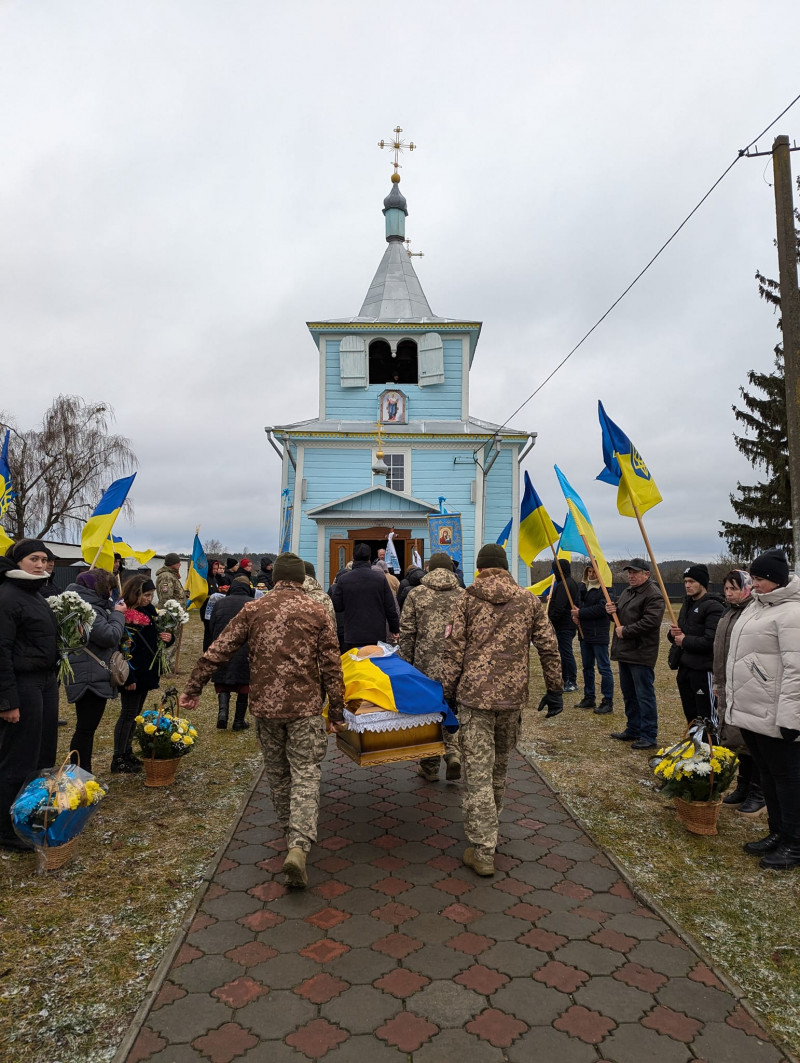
(388, 721)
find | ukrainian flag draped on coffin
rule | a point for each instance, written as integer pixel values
(536, 530)
(6, 494)
(394, 685)
(196, 580)
(579, 524)
(626, 469)
(97, 529)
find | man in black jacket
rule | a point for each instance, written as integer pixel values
(694, 637)
(634, 647)
(563, 597)
(233, 677)
(594, 638)
(365, 598)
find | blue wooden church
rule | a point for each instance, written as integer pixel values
(398, 366)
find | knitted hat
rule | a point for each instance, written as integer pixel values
(88, 578)
(245, 563)
(147, 586)
(25, 547)
(492, 555)
(699, 573)
(172, 559)
(231, 562)
(289, 566)
(310, 570)
(440, 560)
(772, 565)
(362, 552)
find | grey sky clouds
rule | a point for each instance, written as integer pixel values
(184, 184)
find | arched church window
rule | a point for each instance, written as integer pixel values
(400, 369)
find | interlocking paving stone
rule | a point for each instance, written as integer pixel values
(398, 952)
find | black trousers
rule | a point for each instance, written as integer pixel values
(132, 703)
(778, 762)
(89, 709)
(693, 687)
(30, 745)
(569, 669)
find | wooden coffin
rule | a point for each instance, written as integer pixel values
(387, 747)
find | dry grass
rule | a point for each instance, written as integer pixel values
(744, 917)
(80, 944)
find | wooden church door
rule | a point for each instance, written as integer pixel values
(341, 553)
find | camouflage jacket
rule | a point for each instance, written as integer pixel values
(315, 590)
(427, 614)
(168, 585)
(294, 656)
(487, 658)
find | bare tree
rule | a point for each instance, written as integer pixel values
(213, 548)
(60, 470)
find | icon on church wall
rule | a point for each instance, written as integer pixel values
(393, 407)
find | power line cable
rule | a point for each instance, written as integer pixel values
(641, 273)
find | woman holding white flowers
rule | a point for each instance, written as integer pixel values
(28, 687)
(91, 687)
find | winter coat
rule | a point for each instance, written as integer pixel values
(264, 576)
(698, 621)
(236, 671)
(50, 589)
(640, 611)
(412, 579)
(594, 620)
(560, 611)
(28, 633)
(729, 735)
(366, 600)
(144, 644)
(762, 674)
(314, 590)
(426, 620)
(169, 587)
(295, 659)
(487, 659)
(104, 637)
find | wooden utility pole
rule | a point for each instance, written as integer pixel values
(790, 321)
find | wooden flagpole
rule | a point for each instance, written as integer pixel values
(555, 558)
(603, 587)
(650, 554)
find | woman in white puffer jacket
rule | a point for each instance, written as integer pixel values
(762, 688)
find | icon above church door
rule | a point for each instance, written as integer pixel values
(393, 407)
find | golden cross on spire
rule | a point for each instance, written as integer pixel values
(398, 146)
(413, 254)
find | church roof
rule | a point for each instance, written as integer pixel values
(396, 293)
(471, 427)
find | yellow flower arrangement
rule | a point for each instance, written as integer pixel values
(163, 734)
(694, 770)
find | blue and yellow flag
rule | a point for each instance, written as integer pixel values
(626, 470)
(96, 545)
(536, 530)
(119, 546)
(196, 579)
(578, 527)
(394, 685)
(6, 494)
(505, 534)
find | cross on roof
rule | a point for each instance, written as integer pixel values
(398, 146)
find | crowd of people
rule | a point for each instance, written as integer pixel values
(274, 638)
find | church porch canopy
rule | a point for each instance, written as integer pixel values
(376, 503)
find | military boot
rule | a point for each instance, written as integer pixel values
(240, 723)
(224, 701)
(294, 867)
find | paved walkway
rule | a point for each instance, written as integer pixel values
(396, 952)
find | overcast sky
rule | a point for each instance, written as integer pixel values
(185, 184)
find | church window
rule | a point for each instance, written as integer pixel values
(353, 362)
(396, 476)
(400, 369)
(431, 359)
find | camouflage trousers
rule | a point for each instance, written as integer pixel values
(487, 741)
(452, 744)
(293, 753)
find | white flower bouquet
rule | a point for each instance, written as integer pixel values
(171, 617)
(75, 618)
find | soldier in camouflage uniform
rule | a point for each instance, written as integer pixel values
(424, 622)
(316, 591)
(294, 662)
(486, 668)
(169, 587)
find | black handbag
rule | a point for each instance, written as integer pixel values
(674, 659)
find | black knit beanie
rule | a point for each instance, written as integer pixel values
(440, 560)
(25, 547)
(310, 570)
(772, 565)
(362, 552)
(699, 573)
(289, 566)
(492, 555)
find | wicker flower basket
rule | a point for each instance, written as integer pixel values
(699, 817)
(160, 772)
(55, 856)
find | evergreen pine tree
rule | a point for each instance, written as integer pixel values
(765, 507)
